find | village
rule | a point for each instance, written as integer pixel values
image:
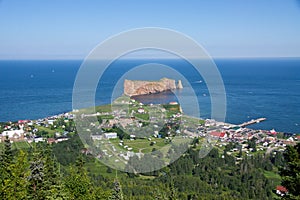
(127, 129)
(146, 126)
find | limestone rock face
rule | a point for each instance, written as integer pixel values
(134, 88)
(179, 85)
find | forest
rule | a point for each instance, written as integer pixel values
(66, 171)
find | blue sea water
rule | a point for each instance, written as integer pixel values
(254, 88)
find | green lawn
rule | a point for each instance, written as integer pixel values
(17, 145)
(142, 116)
(49, 130)
(20, 145)
(99, 168)
(139, 145)
(103, 108)
(273, 176)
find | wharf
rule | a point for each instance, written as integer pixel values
(253, 121)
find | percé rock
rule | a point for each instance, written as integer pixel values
(134, 87)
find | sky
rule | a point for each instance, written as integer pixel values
(68, 29)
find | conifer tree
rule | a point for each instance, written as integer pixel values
(173, 191)
(15, 187)
(6, 158)
(117, 193)
(36, 176)
(78, 184)
(52, 185)
(290, 174)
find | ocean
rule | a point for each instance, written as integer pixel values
(266, 87)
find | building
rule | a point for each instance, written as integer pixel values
(281, 190)
(110, 135)
(51, 140)
(13, 135)
(141, 110)
(218, 134)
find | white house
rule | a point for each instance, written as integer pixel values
(110, 135)
(39, 139)
(141, 110)
(51, 121)
(13, 135)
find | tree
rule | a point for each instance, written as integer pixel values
(291, 173)
(173, 191)
(36, 176)
(117, 193)
(78, 184)
(52, 185)
(15, 187)
(252, 144)
(6, 158)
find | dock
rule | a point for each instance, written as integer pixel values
(253, 121)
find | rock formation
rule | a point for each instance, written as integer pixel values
(179, 85)
(134, 88)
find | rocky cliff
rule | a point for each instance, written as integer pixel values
(134, 88)
(179, 85)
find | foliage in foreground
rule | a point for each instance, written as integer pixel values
(37, 174)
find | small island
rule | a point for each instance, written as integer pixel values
(137, 87)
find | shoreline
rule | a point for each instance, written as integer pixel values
(249, 123)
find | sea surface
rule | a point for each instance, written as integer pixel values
(254, 88)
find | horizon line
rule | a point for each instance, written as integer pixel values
(152, 58)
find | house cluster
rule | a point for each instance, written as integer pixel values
(15, 132)
(26, 130)
(12, 135)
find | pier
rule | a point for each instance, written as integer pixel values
(253, 121)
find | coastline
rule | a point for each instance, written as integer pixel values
(211, 124)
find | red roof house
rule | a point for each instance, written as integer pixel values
(217, 134)
(281, 190)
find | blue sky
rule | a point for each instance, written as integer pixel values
(62, 29)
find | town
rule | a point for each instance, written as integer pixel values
(127, 129)
(146, 126)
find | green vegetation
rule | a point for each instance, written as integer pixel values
(65, 171)
(291, 171)
(70, 169)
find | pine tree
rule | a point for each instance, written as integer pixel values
(78, 184)
(8, 153)
(52, 185)
(15, 187)
(290, 174)
(159, 195)
(36, 177)
(173, 191)
(117, 193)
(6, 158)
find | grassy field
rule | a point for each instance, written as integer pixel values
(139, 145)
(17, 145)
(20, 145)
(273, 176)
(49, 130)
(144, 145)
(103, 108)
(99, 168)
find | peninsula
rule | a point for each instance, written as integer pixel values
(136, 87)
